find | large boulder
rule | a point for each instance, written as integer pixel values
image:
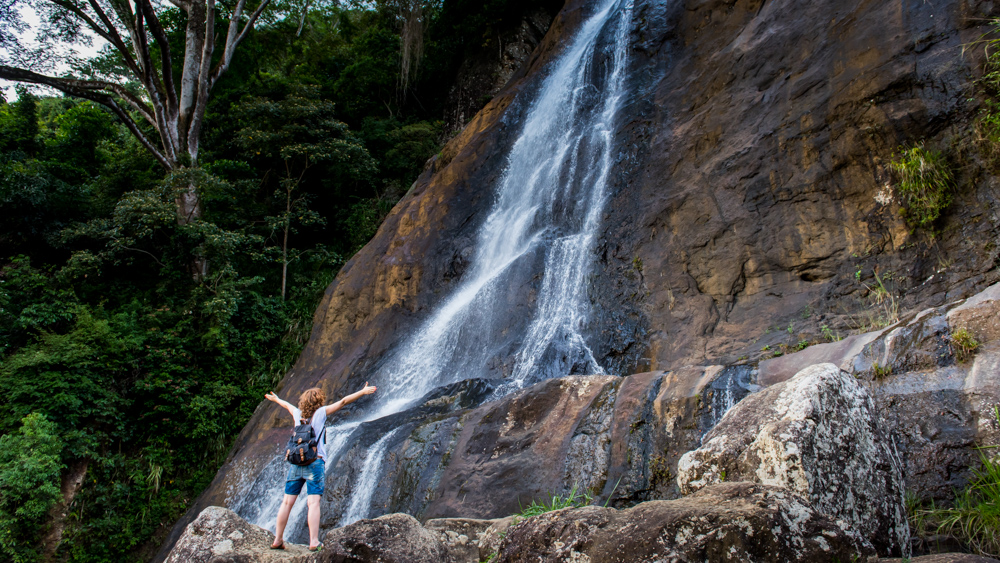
(393, 538)
(939, 406)
(725, 522)
(817, 434)
(219, 535)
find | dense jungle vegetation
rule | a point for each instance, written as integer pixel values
(117, 362)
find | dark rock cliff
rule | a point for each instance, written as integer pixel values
(751, 192)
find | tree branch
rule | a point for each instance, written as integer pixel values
(110, 34)
(201, 101)
(151, 79)
(193, 46)
(68, 84)
(165, 56)
(233, 38)
(91, 90)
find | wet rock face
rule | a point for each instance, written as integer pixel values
(817, 434)
(723, 522)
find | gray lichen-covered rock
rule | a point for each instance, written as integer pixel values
(219, 535)
(724, 522)
(818, 435)
(461, 537)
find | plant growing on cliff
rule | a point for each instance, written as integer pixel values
(882, 310)
(974, 518)
(574, 499)
(924, 184)
(963, 343)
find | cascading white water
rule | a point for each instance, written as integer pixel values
(544, 223)
(550, 200)
(365, 486)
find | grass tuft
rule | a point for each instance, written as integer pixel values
(975, 517)
(574, 499)
(963, 343)
(925, 184)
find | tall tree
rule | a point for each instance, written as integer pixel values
(175, 110)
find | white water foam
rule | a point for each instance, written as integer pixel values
(364, 488)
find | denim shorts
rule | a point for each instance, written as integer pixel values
(312, 475)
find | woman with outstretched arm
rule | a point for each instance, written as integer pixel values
(311, 409)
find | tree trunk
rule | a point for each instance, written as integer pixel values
(72, 479)
(284, 244)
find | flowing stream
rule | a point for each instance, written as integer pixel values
(543, 224)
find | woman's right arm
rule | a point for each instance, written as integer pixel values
(366, 390)
(275, 399)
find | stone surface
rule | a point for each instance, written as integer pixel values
(945, 558)
(817, 434)
(462, 537)
(936, 408)
(393, 538)
(219, 535)
(723, 522)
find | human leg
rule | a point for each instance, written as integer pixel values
(292, 489)
(313, 518)
(279, 527)
(315, 487)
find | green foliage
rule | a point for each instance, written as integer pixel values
(29, 484)
(574, 499)
(964, 343)
(925, 184)
(829, 333)
(974, 518)
(881, 372)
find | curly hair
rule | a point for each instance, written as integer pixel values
(310, 400)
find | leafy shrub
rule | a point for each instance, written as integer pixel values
(29, 485)
(925, 184)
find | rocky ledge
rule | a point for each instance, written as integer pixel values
(811, 467)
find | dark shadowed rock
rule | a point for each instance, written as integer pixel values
(947, 558)
(723, 522)
(816, 434)
(393, 538)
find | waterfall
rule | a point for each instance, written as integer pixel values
(543, 225)
(365, 485)
(549, 203)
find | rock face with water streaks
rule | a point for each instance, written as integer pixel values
(817, 434)
(614, 438)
